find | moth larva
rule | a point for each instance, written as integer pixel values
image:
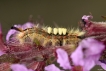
(49, 36)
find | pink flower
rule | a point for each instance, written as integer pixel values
(88, 53)
(52, 67)
(11, 32)
(23, 27)
(86, 21)
(27, 25)
(87, 17)
(62, 59)
(1, 53)
(19, 67)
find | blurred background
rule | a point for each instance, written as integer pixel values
(63, 13)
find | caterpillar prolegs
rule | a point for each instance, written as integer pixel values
(48, 36)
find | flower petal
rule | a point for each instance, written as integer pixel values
(18, 26)
(77, 55)
(101, 64)
(92, 46)
(1, 53)
(19, 67)
(27, 25)
(89, 63)
(11, 32)
(63, 59)
(52, 67)
(86, 17)
(89, 56)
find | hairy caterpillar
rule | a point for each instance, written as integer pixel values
(48, 36)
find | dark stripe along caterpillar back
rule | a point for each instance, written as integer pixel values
(47, 36)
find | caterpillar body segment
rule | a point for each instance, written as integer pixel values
(48, 36)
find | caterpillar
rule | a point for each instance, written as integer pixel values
(48, 36)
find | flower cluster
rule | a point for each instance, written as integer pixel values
(24, 49)
(86, 55)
